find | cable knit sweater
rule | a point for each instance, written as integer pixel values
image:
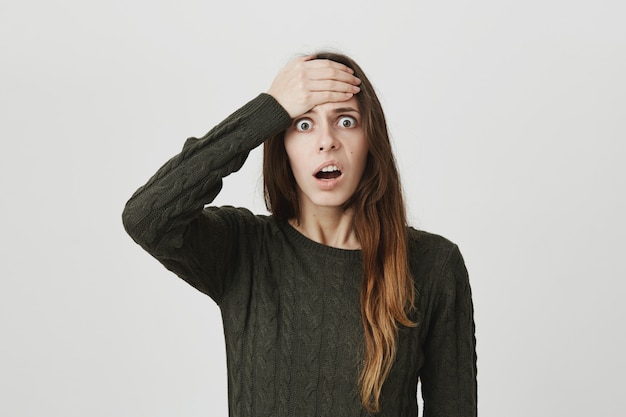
(290, 306)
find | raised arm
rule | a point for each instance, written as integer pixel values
(166, 217)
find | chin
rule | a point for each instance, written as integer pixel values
(332, 199)
(329, 202)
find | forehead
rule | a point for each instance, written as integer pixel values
(348, 105)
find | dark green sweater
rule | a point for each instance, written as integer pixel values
(290, 306)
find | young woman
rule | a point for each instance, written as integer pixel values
(332, 306)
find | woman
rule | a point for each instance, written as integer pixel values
(331, 306)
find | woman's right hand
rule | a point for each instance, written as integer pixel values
(307, 82)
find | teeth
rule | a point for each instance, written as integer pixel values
(330, 168)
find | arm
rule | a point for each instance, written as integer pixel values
(448, 377)
(166, 215)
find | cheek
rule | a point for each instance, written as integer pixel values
(295, 158)
(289, 149)
(361, 151)
(292, 144)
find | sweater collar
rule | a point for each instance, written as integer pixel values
(301, 241)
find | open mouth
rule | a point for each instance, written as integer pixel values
(328, 173)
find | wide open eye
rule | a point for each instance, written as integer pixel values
(346, 121)
(302, 125)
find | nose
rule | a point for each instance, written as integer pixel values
(327, 140)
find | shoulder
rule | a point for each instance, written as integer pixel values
(431, 248)
(237, 221)
(240, 215)
(434, 260)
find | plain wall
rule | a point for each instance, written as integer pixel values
(508, 122)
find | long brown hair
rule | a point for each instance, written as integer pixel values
(380, 224)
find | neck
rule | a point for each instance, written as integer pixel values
(329, 226)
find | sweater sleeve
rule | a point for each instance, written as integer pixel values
(449, 386)
(167, 217)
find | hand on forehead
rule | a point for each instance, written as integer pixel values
(307, 82)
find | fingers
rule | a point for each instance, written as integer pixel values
(321, 69)
(337, 76)
(320, 97)
(332, 86)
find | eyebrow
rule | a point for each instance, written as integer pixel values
(337, 110)
(345, 110)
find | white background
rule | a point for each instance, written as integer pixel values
(508, 122)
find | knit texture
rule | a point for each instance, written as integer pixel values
(290, 306)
